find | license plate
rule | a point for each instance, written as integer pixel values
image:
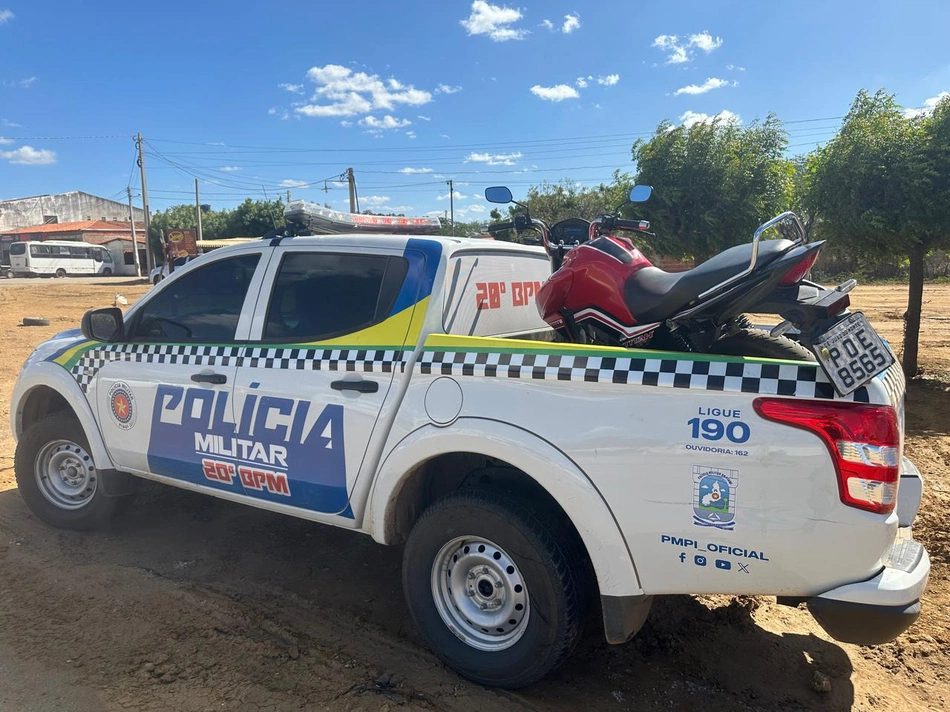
(852, 353)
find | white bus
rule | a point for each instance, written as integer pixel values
(58, 258)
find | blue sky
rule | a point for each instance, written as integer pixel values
(253, 98)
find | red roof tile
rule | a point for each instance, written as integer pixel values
(79, 226)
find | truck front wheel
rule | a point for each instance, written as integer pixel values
(58, 479)
(493, 588)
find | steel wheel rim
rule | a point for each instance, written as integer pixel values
(480, 593)
(65, 474)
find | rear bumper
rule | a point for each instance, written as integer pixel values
(880, 609)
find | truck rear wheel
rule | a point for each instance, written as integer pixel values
(756, 342)
(58, 479)
(493, 588)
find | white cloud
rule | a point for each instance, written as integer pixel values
(408, 171)
(411, 134)
(708, 85)
(680, 51)
(581, 83)
(6, 16)
(928, 107)
(609, 80)
(732, 67)
(293, 88)
(447, 89)
(571, 23)
(346, 124)
(20, 83)
(5, 141)
(690, 118)
(399, 208)
(705, 41)
(493, 159)
(29, 156)
(349, 93)
(470, 210)
(423, 118)
(670, 44)
(374, 201)
(9, 124)
(457, 195)
(548, 25)
(230, 169)
(559, 92)
(279, 111)
(291, 183)
(384, 124)
(444, 136)
(494, 21)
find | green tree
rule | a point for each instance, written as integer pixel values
(714, 183)
(254, 218)
(881, 188)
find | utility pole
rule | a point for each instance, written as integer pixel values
(197, 211)
(352, 181)
(135, 242)
(288, 197)
(451, 202)
(148, 218)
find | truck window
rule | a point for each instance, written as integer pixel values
(203, 306)
(492, 293)
(319, 295)
(18, 248)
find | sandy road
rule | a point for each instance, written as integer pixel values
(190, 603)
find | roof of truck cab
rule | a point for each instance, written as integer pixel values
(354, 240)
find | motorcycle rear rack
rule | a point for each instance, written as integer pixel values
(788, 214)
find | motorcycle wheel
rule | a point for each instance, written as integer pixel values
(755, 342)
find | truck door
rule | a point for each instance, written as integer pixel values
(328, 336)
(163, 395)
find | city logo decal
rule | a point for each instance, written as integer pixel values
(122, 405)
(714, 497)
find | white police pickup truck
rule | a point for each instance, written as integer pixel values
(407, 388)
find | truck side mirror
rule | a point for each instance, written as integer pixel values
(104, 324)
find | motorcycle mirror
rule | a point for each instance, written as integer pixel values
(498, 194)
(638, 194)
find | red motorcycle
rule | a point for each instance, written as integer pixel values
(603, 290)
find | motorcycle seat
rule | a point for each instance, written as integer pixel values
(653, 295)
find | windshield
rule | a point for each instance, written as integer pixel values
(18, 248)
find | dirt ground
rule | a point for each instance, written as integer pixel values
(191, 603)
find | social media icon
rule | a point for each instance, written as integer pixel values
(723, 564)
(699, 560)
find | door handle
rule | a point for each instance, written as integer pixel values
(215, 378)
(358, 386)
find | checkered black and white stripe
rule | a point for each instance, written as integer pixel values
(806, 381)
(360, 360)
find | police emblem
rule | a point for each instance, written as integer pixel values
(122, 405)
(714, 497)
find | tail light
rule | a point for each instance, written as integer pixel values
(797, 273)
(863, 440)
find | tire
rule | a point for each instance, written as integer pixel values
(107, 272)
(60, 273)
(35, 321)
(503, 554)
(71, 500)
(755, 342)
